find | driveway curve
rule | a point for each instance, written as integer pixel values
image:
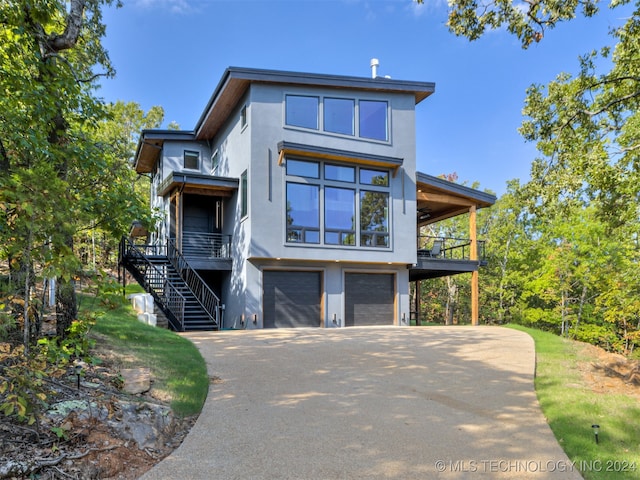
(368, 403)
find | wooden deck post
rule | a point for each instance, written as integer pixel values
(474, 275)
(417, 304)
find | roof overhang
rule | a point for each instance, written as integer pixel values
(150, 145)
(198, 184)
(235, 82)
(438, 199)
(312, 151)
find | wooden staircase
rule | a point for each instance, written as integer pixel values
(185, 299)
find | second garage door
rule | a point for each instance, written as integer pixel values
(291, 299)
(369, 299)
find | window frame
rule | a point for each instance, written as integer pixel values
(244, 194)
(244, 120)
(193, 153)
(215, 161)
(287, 114)
(324, 185)
(357, 121)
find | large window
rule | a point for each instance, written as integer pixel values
(339, 216)
(303, 213)
(342, 116)
(334, 204)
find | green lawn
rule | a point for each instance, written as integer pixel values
(178, 370)
(571, 408)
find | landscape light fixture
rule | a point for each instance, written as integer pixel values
(78, 369)
(596, 430)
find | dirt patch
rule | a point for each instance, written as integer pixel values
(96, 444)
(606, 372)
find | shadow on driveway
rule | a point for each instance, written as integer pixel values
(369, 403)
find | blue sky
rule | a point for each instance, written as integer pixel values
(172, 53)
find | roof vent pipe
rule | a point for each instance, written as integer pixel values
(374, 67)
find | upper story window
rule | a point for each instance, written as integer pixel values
(343, 116)
(215, 161)
(373, 119)
(339, 114)
(243, 117)
(334, 204)
(302, 111)
(191, 160)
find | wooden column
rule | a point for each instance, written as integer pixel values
(417, 303)
(473, 235)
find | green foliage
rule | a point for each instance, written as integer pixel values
(67, 188)
(527, 21)
(76, 345)
(23, 389)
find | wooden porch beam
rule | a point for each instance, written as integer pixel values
(473, 235)
(444, 198)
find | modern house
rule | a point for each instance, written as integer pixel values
(295, 201)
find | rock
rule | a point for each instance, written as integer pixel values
(83, 408)
(136, 380)
(145, 423)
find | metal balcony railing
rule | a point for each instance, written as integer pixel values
(206, 245)
(448, 248)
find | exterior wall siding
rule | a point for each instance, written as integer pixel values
(259, 238)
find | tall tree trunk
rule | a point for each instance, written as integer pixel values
(503, 274)
(452, 295)
(66, 300)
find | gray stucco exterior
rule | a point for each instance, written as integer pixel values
(251, 135)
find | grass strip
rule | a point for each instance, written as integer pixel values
(572, 407)
(178, 370)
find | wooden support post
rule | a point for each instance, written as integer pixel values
(475, 303)
(417, 304)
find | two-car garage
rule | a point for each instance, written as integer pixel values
(295, 298)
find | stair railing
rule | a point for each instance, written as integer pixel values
(203, 293)
(154, 281)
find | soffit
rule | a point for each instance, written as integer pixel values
(198, 184)
(438, 199)
(150, 145)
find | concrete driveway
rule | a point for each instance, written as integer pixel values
(368, 403)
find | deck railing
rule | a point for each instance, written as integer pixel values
(206, 245)
(448, 248)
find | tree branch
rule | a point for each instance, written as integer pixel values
(72, 70)
(69, 37)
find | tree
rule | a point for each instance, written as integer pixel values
(526, 20)
(587, 127)
(58, 173)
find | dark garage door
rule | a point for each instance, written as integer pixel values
(369, 299)
(291, 299)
